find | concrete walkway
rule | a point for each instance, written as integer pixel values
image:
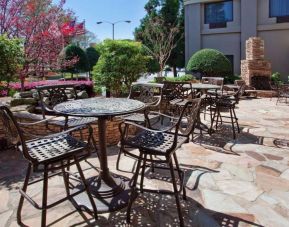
(242, 182)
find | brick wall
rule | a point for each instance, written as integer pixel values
(112, 130)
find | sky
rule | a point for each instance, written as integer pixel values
(93, 11)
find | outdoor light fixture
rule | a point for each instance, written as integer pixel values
(113, 23)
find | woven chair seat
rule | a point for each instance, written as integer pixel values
(73, 121)
(154, 143)
(47, 150)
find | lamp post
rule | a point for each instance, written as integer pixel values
(113, 24)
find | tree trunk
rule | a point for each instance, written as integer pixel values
(175, 71)
(107, 92)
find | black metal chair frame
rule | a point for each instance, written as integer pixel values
(151, 95)
(168, 141)
(148, 93)
(283, 93)
(176, 92)
(57, 94)
(46, 159)
(227, 102)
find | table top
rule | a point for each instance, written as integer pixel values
(233, 86)
(99, 107)
(205, 86)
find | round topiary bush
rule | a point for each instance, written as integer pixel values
(210, 62)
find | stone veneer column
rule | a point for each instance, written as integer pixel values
(255, 63)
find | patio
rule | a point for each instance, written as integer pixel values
(229, 183)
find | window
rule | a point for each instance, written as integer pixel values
(279, 8)
(219, 12)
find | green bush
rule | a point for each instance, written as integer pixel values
(184, 78)
(210, 62)
(92, 57)
(231, 79)
(11, 60)
(121, 62)
(72, 51)
(276, 78)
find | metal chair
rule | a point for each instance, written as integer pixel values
(52, 95)
(175, 92)
(148, 93)
(283, 93)
(227, 102)
(47, 154)
(164, 143)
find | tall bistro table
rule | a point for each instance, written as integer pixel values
(110, 194)
(205, 87)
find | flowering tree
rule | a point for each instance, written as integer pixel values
(43, 28)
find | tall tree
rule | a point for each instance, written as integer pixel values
(92, 57)
(39, 25)
(75, 52)
(171, 13)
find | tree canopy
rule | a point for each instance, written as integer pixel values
(11, 57)
(210, 62)
(121, 62)
(71, 52)
(171, 13)
(92, 57)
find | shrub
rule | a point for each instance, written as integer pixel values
(92, 57)
(276, 78)
(121, 62)
(231, 79)
(11, 59)
(32, 85)
(184, 78)
(210, 62)
(72, 51)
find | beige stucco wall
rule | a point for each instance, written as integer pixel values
(229, 44)
(277, 50)
(251, 18)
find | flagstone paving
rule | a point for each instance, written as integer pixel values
(242, 182)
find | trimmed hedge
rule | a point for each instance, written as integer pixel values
(210, 62)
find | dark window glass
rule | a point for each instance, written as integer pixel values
(279, 8)
(218, 12)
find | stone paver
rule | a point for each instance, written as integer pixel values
(242, 182)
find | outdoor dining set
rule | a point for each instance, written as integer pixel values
(157, 118)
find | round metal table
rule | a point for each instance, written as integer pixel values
(110, 194)
(205, 87)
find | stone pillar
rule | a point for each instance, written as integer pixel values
(255, 63)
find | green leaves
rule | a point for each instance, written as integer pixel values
(11, 57)
(121, 62)
(210, 62)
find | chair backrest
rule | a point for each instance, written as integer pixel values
(283, 89)
(148, 93)
(240, 92)
(176, 90)
(52, 95)
(12, 130)
(187, 120)
(239, 82)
